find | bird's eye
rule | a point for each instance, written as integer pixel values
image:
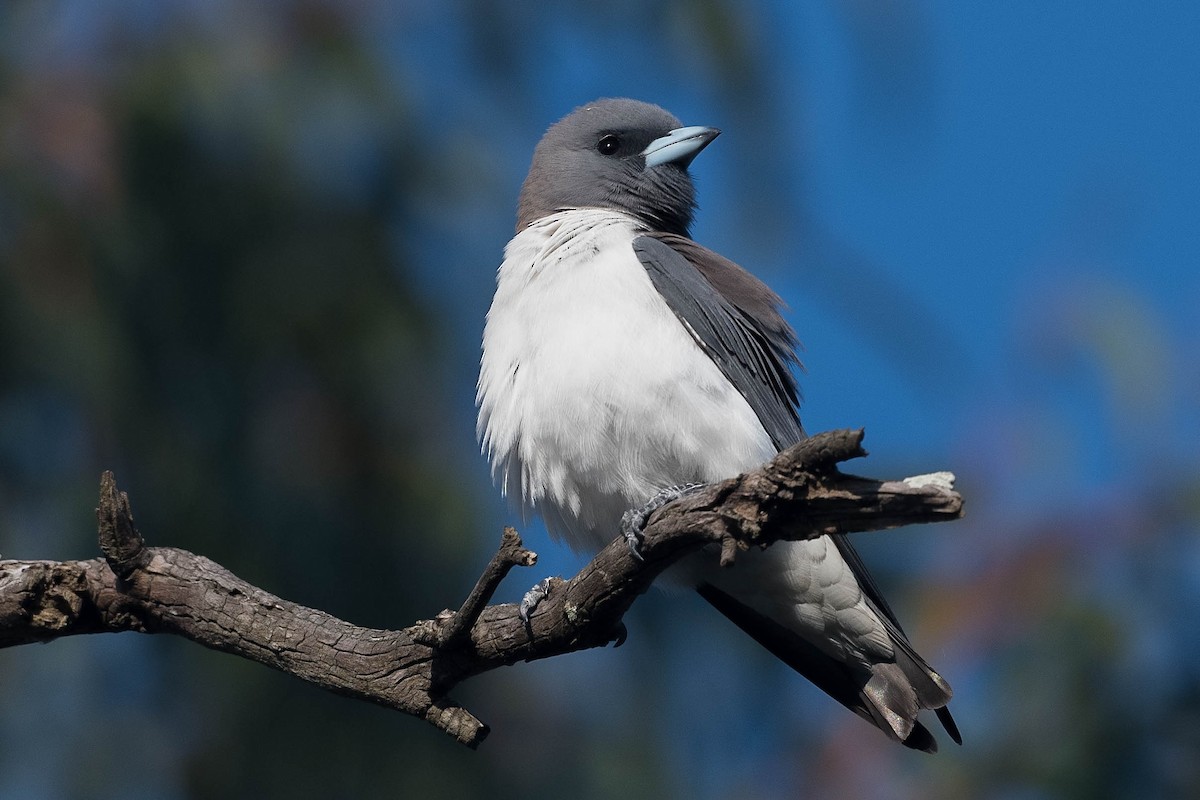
(609, 143)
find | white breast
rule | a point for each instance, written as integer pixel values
(592, 394)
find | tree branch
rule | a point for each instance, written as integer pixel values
(798, 495)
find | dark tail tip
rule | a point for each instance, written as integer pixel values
(943, 715)
(921, 739)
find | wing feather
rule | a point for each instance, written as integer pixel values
(735, 320)
(742, 332)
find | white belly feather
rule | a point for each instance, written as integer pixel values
(593, 396)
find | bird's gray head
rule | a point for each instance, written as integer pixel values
(620, 154)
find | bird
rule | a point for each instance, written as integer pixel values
(623, 362)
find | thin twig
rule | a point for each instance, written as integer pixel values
(453, 628)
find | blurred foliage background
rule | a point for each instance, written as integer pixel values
(245, 254)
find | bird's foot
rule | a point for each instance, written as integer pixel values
(540, 591)
(534, 597)
(633, 522)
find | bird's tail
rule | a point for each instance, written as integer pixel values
(888, 694)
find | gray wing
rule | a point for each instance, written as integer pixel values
(735, 320)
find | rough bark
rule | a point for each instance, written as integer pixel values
(800, 494)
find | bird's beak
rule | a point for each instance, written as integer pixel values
(679, 146)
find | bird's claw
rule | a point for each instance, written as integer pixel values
(540, 591)
(532, 598)
(633, 521)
